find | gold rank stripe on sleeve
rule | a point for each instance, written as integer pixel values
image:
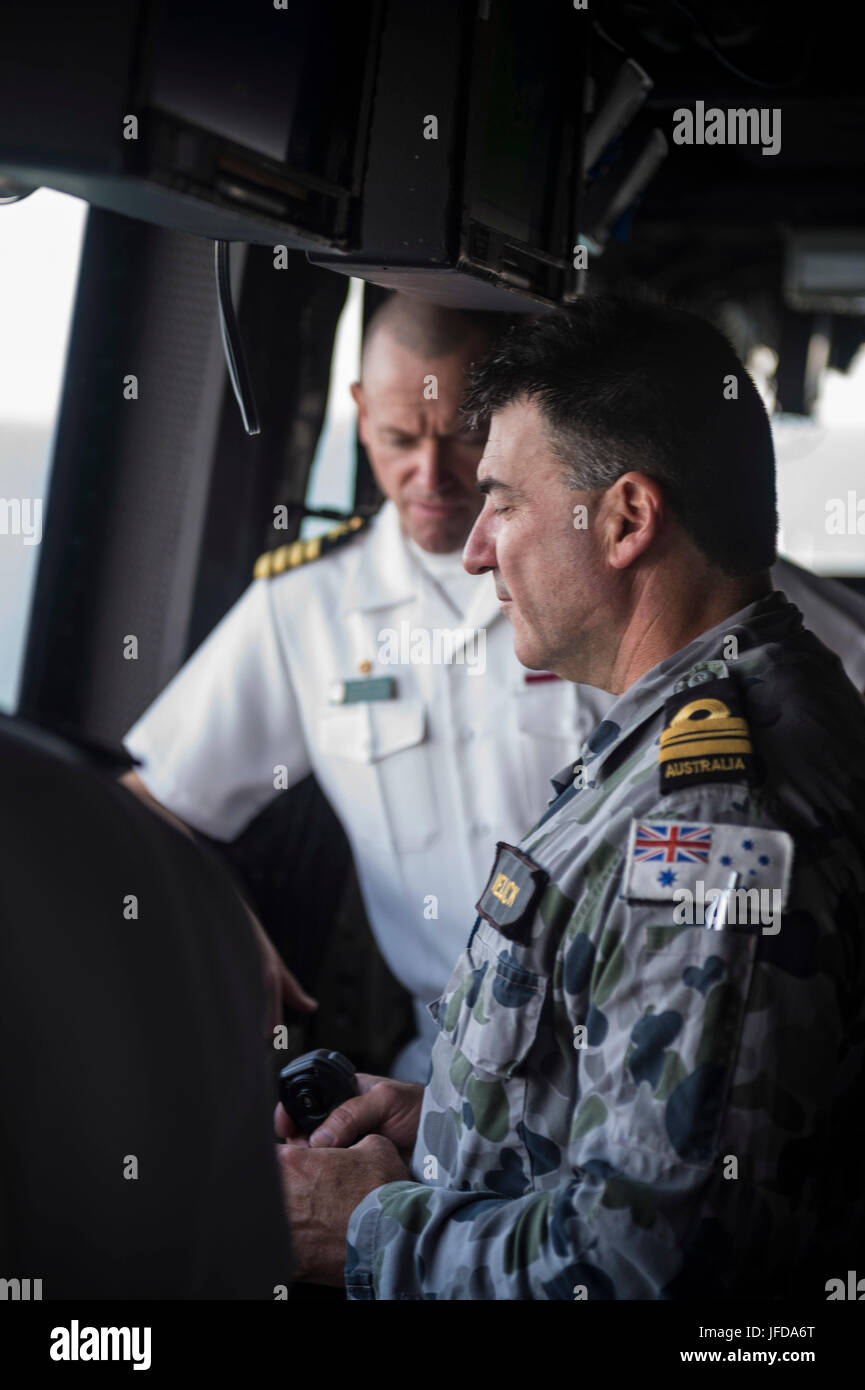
(705, 738)
(704, 728)
(288, 557)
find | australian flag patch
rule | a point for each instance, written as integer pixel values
(709, 865)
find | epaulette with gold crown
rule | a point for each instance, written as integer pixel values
(288, 557)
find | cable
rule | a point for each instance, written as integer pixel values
(607, 39)
(725, 61)
(231, 342)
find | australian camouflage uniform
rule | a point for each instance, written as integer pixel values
(647, 1077)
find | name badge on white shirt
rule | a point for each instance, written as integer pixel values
(363, 691)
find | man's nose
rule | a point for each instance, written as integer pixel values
(479, 552)
(430, 470)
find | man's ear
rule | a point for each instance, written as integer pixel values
(357, 395)
(635, 512)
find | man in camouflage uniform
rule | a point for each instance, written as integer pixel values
(647, 1081)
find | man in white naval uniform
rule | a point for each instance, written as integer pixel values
(336, 667)
(429, 771)
(835, 612)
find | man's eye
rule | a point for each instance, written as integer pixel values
(401, 441)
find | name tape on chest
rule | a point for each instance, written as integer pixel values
(718, 875)
(365, 691)
(513, 892)
(705, 738)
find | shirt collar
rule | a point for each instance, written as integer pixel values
(384, 573)
(709, 657)
(380, 573)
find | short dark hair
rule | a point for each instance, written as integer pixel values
(636, 384)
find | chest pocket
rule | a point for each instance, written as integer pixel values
(378, 770)
(490, 1011)
(488, 1016)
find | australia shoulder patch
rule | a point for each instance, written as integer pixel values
(705, 737)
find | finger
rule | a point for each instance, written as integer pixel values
(283, 1125)
(365, 1082)
(375, 1143)
(351, 1120)
(293, 992)
(383, 1158)
(285, 1128)
(285, 1157)
(288, 1155)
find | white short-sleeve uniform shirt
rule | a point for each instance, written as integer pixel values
(835, 612)
(424, 782)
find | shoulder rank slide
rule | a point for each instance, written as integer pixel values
(705, 737)
(288, 557)
(512, 893)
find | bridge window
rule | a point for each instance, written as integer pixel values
(40, 251)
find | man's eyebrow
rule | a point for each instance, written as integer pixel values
(488, 484)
